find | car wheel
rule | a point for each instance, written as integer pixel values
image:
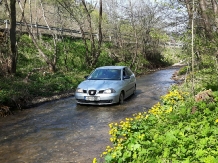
(121, 98)
(134, 91)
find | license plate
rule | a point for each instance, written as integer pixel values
(92, 98)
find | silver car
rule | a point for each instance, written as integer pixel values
(106, 85)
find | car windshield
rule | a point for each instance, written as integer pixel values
(105, 74)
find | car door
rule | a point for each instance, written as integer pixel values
(127, 80)
(132, 80)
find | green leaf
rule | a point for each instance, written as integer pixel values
(210, 159)
(200, 153)
(207, 111)
(134, 155)
(136, 146)
(108, 158)
(203, 141)
(126, 154)
(155, 136)
(183, 150)
(143, 152)
(166, 152)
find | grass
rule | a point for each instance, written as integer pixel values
(14, 89)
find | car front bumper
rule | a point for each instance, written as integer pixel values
(103, 99)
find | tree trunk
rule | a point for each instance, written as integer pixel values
(215, 10)
(13, 50)
(31, 17)
(189, 10)
(205, 17)
(92, 40)
(99, 33)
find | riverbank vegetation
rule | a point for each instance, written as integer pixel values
(177, 129)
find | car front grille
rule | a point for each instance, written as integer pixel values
(92, 92)
(95, 102)
(101, 91)
(84, 91)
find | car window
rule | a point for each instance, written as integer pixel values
(115, 74)
(105, 74)
(127, 72)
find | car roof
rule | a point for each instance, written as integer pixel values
(111, 67)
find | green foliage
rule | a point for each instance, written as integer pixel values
(4, 94)
(171, 131)
(71, 55)
(105, 60)
(184, 70)
(155, 34)
(33, 79)
(37, 85)
(27, 55)
(173, 55)
(206, 78)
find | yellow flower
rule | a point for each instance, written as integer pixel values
(111, 125)
(94, 160)
(169, 110)
(112, 139)
(216, 120)
(104, 153)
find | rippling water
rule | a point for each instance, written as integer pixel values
(62, 131)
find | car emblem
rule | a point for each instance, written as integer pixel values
(92, 92)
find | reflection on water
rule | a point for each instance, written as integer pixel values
(62, 131)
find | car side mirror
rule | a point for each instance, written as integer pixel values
(86, 76)
(126, 77)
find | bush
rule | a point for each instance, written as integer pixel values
(184, 70)
(177, 129)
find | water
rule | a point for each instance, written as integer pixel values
(62, 131)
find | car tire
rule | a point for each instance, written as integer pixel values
(121, 98)
(134, 91)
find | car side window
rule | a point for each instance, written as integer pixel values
(129, 72)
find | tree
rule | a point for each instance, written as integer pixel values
(51, 60)
(206, 16)
(132, 25)
(12, 57)
(203, 22)
(81, 13)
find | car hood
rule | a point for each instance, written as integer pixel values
(99, 84)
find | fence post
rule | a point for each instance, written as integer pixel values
(6, 23)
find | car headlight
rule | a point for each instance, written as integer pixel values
(79, 90)
(109, 90)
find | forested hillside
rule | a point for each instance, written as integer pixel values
(130, 34)
(48, 46)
